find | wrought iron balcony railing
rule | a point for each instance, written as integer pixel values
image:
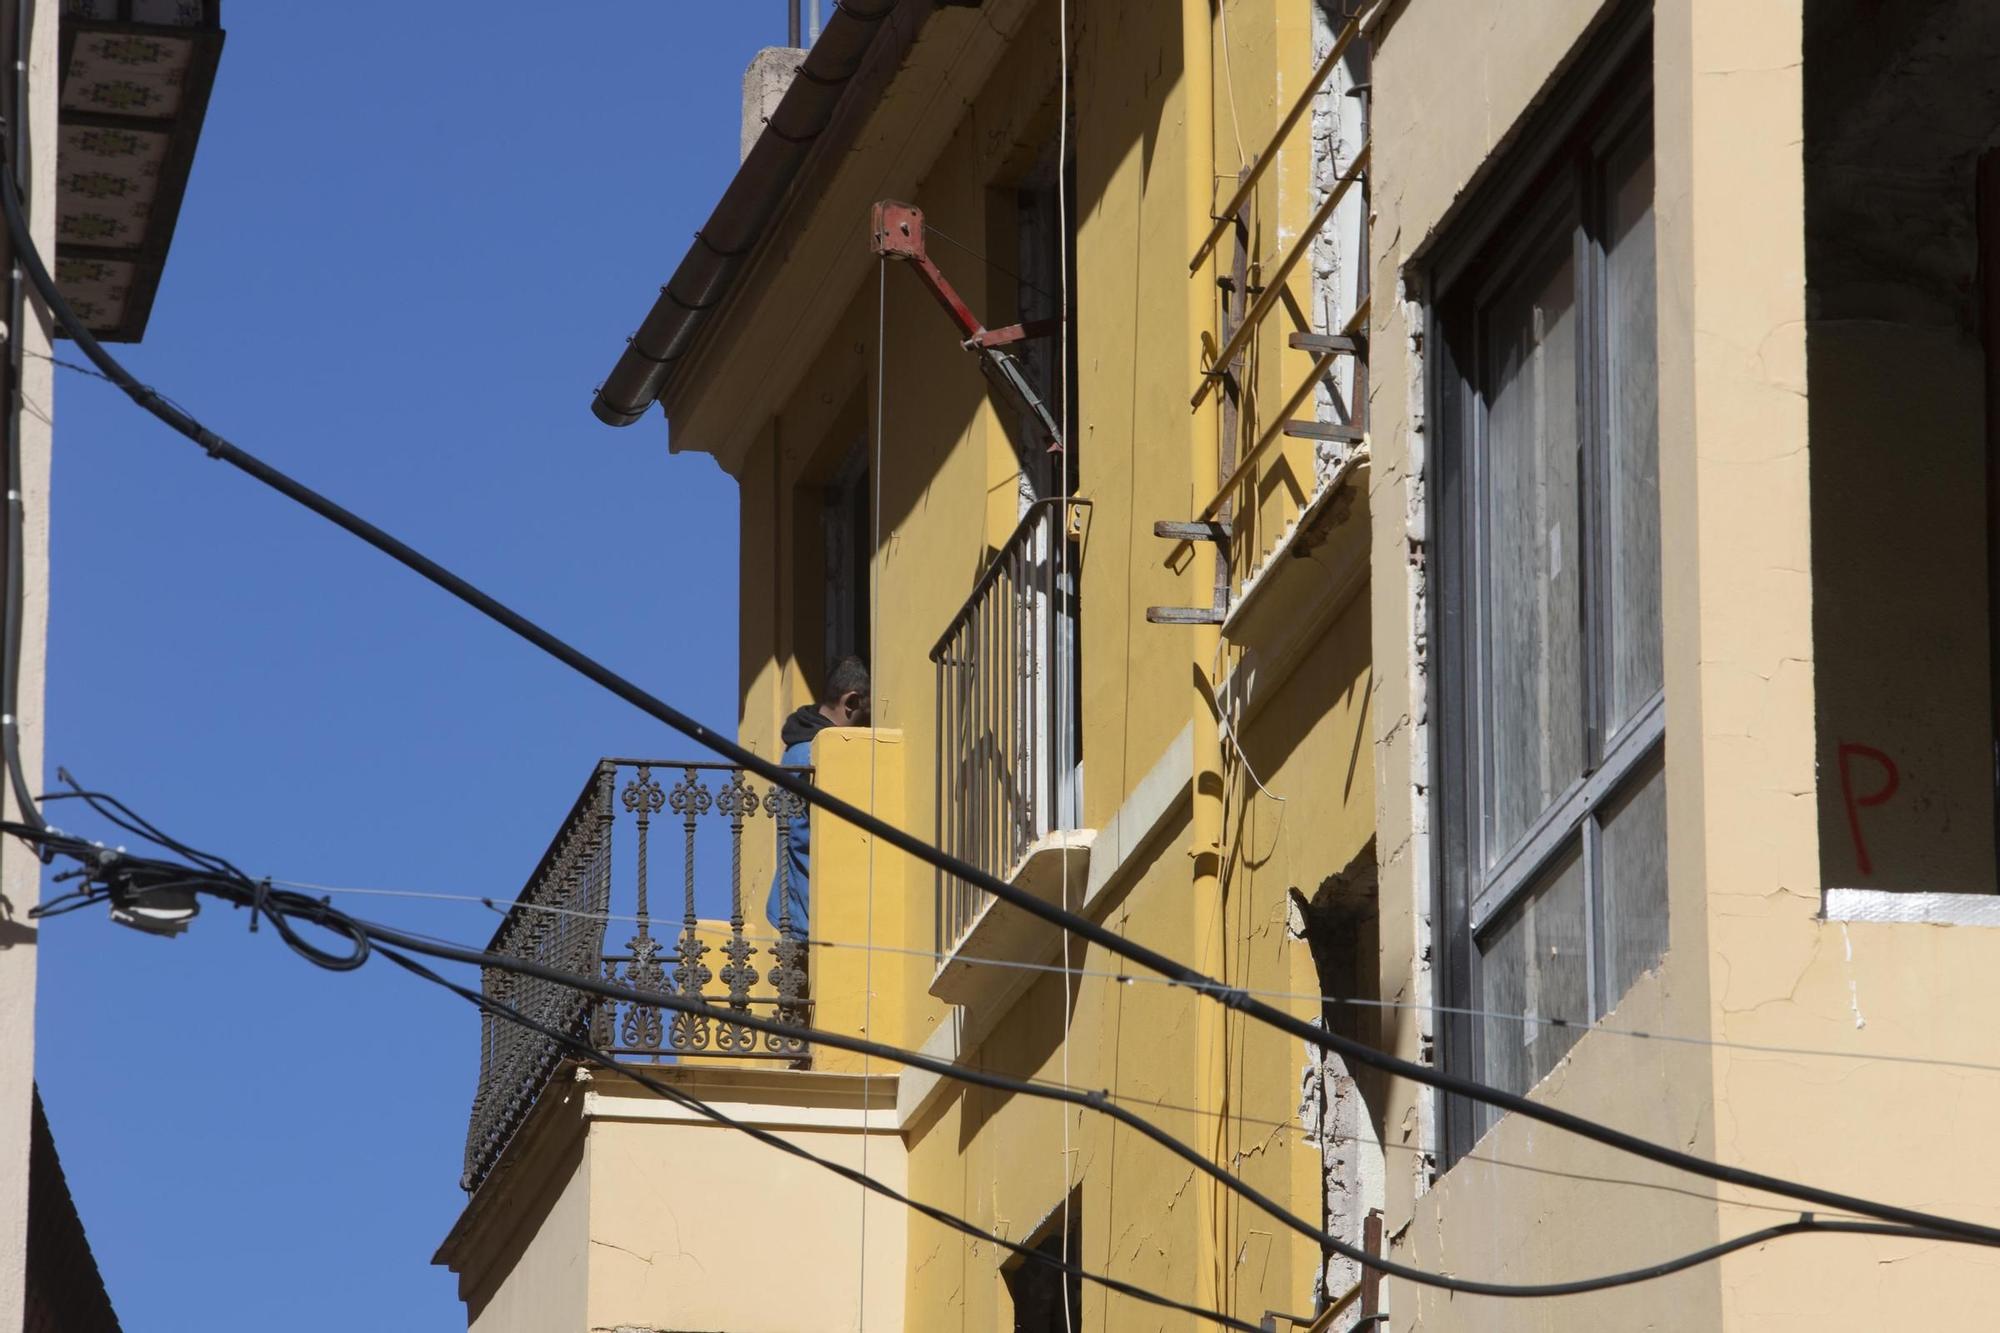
(1007, 750)
(559, 921)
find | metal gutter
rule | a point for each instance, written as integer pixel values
(737, 226)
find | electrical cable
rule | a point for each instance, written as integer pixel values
(585, 1052)
(380, 936)
(875, 585)
(1137, 978)
(1806, 1223)
(79, 899)
(366, 938)
(931, 229)
(1067, 725)
(1232, 997)
(16, 509)
(132, 822)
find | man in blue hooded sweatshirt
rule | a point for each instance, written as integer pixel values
(843, 703)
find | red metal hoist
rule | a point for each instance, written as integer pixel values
(898, 233)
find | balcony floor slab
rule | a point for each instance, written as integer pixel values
(978, 971)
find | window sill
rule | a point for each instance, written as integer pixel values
(1895, 905)
(976, 971)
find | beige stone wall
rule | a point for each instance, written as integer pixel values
(1750, 963)
(1327, 692)
(694, 1225)
(543, 1283)
(20, 872)
(1452, 82)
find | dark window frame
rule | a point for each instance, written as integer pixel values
(1554, 181)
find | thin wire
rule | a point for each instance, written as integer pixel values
(1295, 1123)
(877, 564)
(367, 934)
(1229, 78)
(1806, 1224)
(932, 229)
(86, 898)
(1231, 997)
(1235, 741)
(77, 366)
(587, 1053)
(1135, 978)
(280, 907)
(1066, 724)
(372, 933)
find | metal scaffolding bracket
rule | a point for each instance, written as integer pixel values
(897, 232)
(1250, 292)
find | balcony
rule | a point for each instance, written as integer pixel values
(1008, 769)
(695, 820)
(577, 1177)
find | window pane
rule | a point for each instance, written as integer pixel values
(1635, 880)
(1533, 672)
(1533, 963)
(1632, 389)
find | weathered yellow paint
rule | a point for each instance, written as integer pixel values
(1206, 831)
(864, 891)
(620, 1209)
(1154, 144)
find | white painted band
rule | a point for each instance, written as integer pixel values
(1931, 909)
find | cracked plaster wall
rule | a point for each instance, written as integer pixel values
(1452, 82)
(1145, 85)
(1748, 962)
(1338, 264)
(693, 1226)
(1141, 199)
(1340, 1106)
(546, 1284)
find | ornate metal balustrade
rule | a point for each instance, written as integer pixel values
(561, 916)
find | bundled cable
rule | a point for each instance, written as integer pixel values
(1234, 997)
(127, 881)
(585, 1053)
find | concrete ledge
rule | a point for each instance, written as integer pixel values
(1928, 909)
(1054, 870)
(1148, 808)
(1329, 507)
(1322, 562)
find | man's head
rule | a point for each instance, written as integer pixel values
(844, 701)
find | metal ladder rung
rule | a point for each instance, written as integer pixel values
(1213, 530)
(1325, 430)
(1342, 344)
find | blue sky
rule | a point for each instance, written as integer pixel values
(414, 240)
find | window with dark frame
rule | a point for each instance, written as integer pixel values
(845, 520)
(1551, 801)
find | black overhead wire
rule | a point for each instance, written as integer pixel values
(278, 907)
(15, 519)
(1232, 997)
(586, 1053)
(115, 811)
(365, 938)
(582, 1050)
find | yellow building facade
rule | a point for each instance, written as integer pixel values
(1508, 586)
